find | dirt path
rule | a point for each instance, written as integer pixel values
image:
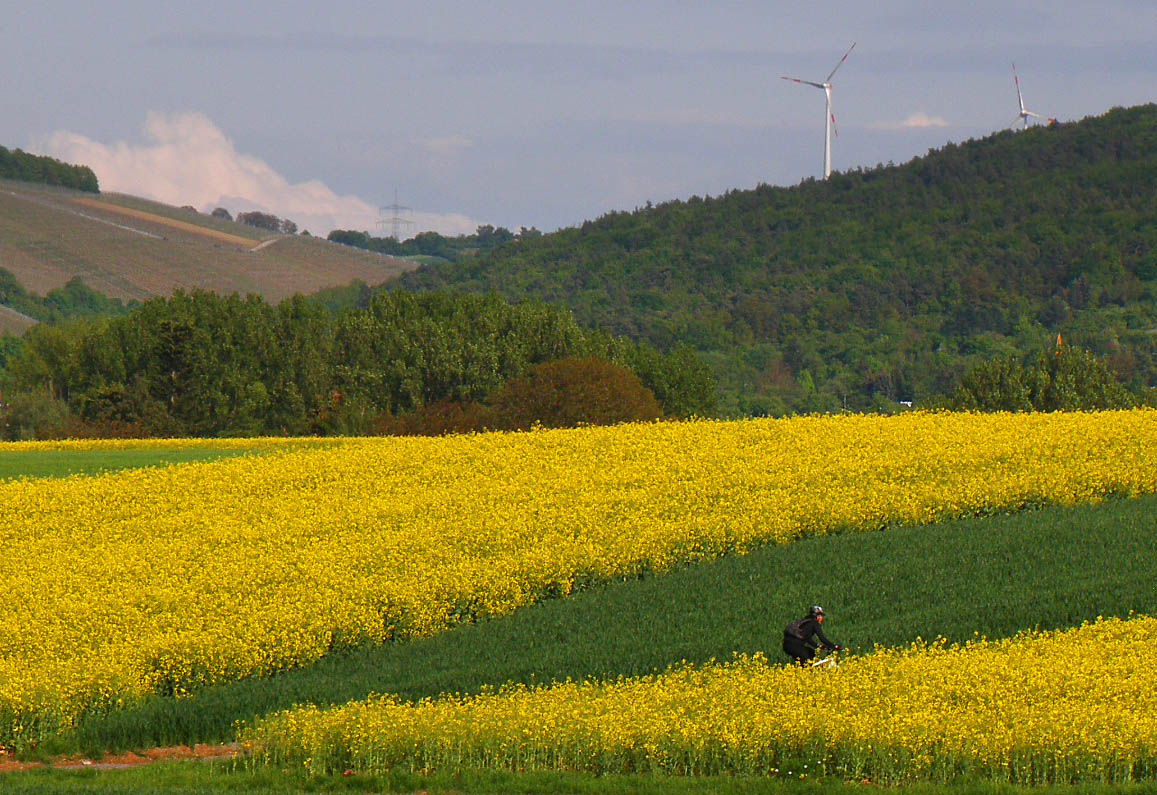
(173, 223)
(121, 761)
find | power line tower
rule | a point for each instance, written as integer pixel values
(395, 220)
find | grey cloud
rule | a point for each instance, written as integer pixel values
(976, 47)
(1123, 58)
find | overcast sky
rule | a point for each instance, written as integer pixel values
(538, 113)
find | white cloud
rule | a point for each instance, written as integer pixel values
(186, 160)
(915, 121)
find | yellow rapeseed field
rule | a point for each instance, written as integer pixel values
(1079, 705)
(166, 579)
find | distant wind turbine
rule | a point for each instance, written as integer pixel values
(1024, 114)
(829, 117)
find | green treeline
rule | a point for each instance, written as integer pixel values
(74, 300)
(433, 246)
(196, 364)
(879, 285)
(19, 165)
(1064, 379)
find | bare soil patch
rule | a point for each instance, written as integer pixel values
(176, 753)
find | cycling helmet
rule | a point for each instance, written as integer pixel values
(817, 610)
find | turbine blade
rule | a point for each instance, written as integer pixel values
(835, 129)
(841, 63)
(1019, 98)
(804, 82)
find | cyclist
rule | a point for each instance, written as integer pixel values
(798, 636)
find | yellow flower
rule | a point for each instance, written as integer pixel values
(167, 579)
(1031, 709)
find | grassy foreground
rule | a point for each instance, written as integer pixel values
(221, 778)
(1050, 568)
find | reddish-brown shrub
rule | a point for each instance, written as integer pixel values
(436, 419)
(570, 392)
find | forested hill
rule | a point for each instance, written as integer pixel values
(879, 285)
(19, 165)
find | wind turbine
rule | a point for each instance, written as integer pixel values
(829, 117)
(1024, 114)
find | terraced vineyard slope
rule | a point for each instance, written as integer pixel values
(131, 248)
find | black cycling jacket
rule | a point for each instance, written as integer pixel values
(805, 628)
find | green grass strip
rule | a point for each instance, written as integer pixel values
(193, 778)
(69, 460)
(62, 463)
(1049, 568)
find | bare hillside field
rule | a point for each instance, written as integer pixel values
(131, 248)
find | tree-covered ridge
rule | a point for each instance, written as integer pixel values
(879, 285)
(18, 164)
(433, 245)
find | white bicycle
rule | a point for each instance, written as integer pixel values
(827, 662)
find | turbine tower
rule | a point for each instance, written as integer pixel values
(829, 117)
(1024, 114)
